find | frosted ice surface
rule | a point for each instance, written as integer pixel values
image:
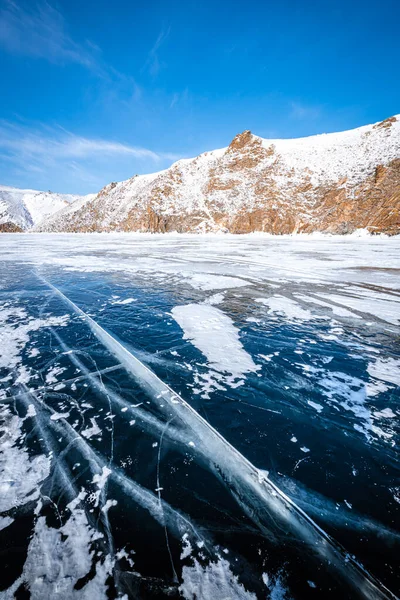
(192, 416)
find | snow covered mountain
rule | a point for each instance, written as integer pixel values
(22, 209)
(334, 183)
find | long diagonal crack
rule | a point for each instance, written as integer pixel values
(271, 510)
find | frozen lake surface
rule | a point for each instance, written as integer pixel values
(206, 417)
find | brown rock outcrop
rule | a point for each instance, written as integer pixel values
(10, 228)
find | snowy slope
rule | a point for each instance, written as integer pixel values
(332, 182)
(25, 208)
(348, 154)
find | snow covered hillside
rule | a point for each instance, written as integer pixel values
(21, 209)
(333, 183)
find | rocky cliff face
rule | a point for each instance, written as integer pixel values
(331, 183)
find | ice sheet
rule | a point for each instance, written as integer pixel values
(299, 385)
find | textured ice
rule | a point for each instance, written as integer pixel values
(336, 310)
(191, 442)
(374, 305)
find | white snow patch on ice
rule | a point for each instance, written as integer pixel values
(351, 393)
(68, 558)
(215, 299)
(109, 504)
(266, 357)
(186, 547)
(205, 282)
(93, 430)
(216, 580)
(31, 412)
(24, 374)
(375, 387)
(57, 416)
(20, 475)
(15, 326)
(386, 369)
(318, 407)
(126, 301)
(385, 413)
(213, 333)
(101, 478)
(5, 522)
(52, 375)
(286, 307)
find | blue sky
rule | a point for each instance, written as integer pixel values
(94, 92)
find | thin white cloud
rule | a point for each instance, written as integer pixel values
(180, 98)
(302, 111)
(52, 143)
(55, 152)
(152, 63)
(39, 30)
(175, 99)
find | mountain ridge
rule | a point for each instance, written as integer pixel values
(333, 183)
(22, 209)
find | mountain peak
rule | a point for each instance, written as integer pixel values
(241, 140)
(386, 123)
